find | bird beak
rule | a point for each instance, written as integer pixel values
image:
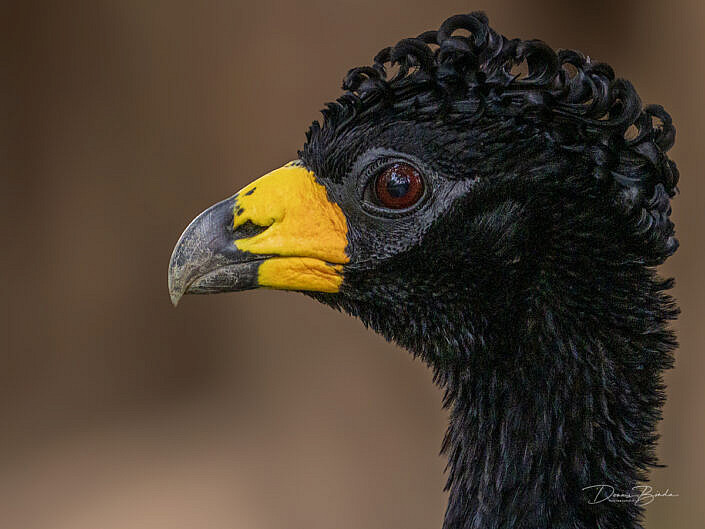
(281, 231)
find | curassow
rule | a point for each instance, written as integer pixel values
(502, 227)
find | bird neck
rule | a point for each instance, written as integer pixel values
(560, 400)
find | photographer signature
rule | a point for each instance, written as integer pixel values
(639, 495)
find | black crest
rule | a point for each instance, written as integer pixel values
(578, 104)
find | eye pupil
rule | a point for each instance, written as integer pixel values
(399, 186)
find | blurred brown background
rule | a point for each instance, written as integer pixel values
(262, 410)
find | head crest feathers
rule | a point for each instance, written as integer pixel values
(580, 104)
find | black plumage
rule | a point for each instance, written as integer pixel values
(532, 296)
(525, 275)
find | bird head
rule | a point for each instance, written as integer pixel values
(442, 183)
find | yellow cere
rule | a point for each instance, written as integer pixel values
(306, 229)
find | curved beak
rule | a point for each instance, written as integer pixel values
(281, 231)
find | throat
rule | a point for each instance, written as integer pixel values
(565, 404)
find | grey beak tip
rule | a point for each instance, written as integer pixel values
(175, 297)
(175, 292)
(206, 261)
(173, 283)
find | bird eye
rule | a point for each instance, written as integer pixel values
(398, 186)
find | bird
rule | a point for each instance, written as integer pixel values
(498, 208)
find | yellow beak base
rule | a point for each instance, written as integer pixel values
(305, 230)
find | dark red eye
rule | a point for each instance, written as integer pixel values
(399, 186)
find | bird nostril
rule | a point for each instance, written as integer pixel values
(248, 229)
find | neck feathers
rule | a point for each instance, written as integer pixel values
(568, 401)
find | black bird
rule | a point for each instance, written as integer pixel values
(504, 228)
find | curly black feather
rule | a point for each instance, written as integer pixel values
(578, 105)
